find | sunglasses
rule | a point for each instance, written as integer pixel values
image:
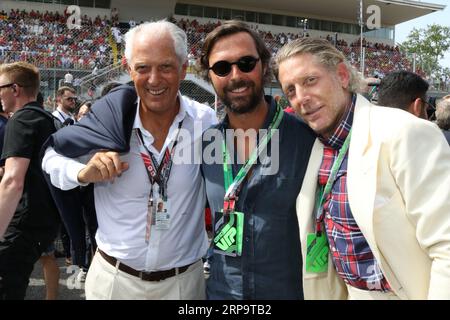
(71, 98)
(7, 85)
(246, 64)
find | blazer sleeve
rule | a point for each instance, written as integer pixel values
(108, 126)
(420, 163)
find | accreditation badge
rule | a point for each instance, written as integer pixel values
(162, 215)
(317, 253)
(228, 233)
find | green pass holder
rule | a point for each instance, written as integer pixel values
(317, 253)
(317, 243)
(228, 232)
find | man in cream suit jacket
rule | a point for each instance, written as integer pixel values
(386, 215)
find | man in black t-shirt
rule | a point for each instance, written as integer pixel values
(28, 215)
(3, 120)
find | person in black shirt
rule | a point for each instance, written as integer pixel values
(3, 120)
(28, 215)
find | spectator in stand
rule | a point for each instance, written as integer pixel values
(68, 79)
(35, 46)
(114, 16)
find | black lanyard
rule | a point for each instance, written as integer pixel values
(62, 116)
(158, 173)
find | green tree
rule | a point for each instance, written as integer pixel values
(430, 45)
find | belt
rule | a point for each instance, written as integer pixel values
(146, 276)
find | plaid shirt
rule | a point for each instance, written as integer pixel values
(352, 256)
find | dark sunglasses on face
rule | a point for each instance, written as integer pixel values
(12, 84)
(74, 99)
(7, 85)
(222, 68)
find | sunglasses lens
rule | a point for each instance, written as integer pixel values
(246, 64)
(221, 68)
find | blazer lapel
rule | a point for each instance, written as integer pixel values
(307, 196)
(362, 171)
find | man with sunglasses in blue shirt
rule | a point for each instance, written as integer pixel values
(261, 155)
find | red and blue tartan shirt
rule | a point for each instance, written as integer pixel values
(352, 256)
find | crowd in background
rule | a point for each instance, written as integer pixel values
(45, 40)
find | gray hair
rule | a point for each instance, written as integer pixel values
(443, 114)
(158, 27)
(324, 52)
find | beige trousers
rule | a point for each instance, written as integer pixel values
(106, 282)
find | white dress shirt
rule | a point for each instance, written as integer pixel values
(122, 205)
(61, 115)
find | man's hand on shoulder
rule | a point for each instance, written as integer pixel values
(103, 166)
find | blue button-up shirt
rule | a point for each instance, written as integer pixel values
(270, 266)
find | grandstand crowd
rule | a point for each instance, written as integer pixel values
(45, 40)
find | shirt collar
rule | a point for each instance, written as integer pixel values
(340, 134)
(63, 113)
(185, 109)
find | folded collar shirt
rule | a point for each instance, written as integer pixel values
(61, 115)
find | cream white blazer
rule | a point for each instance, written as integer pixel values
(399, 194)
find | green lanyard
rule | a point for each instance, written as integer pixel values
(323, 193)
(233, 185)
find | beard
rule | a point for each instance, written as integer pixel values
(70, 108)
(244, 104)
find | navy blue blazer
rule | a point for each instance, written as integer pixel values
(108, 126)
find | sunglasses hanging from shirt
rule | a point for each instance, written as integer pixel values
(246, 64)
(229, 224)
(158, 211)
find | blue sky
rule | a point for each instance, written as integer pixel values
(442, 17)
